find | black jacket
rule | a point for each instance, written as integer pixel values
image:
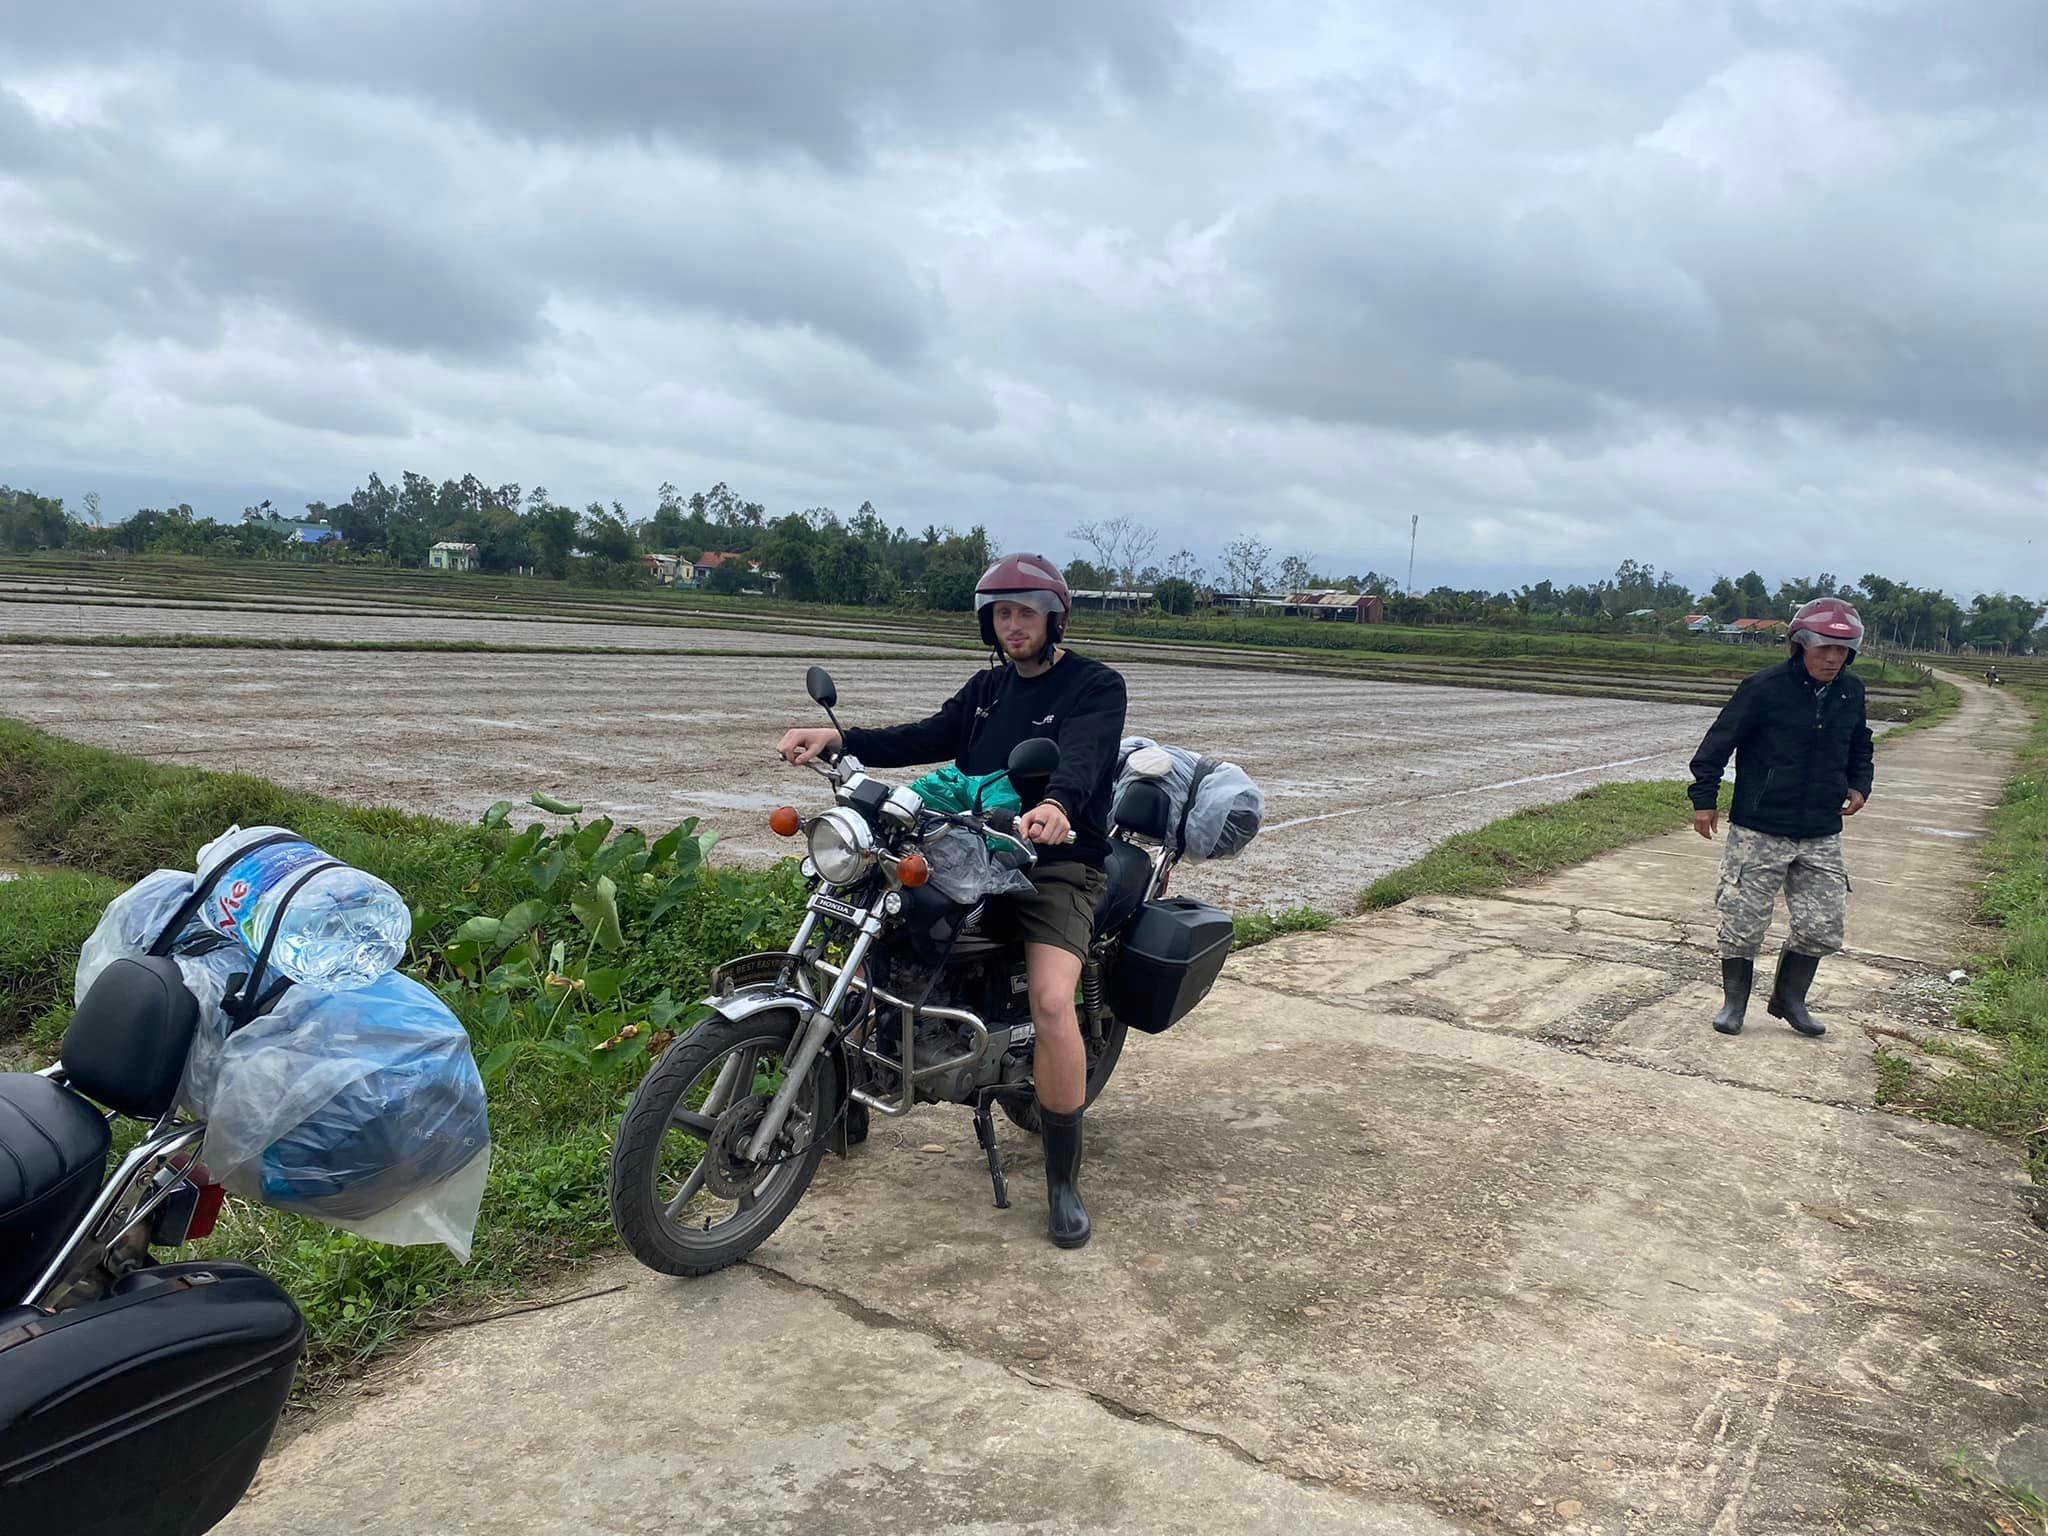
(1802, 749)
(1079, 704)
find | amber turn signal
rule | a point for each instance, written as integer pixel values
(783, 821)
(912, 871)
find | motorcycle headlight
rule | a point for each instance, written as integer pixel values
(841, 846)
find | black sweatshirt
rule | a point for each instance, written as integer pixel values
(1079, 704)
(1803, 748)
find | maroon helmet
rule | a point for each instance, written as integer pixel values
(1828, 621)
(1029, 579)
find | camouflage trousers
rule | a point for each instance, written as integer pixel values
(1756, 866)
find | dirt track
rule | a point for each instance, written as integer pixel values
(1360, 777)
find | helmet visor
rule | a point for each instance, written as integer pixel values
(1046, 603)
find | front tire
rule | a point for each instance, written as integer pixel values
(678, 1146)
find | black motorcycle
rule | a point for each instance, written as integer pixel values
(888, 997)
(136, 1397)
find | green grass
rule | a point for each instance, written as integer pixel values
(1537, 842)
(43, 920)
(1255, 928)
(2004, 1090)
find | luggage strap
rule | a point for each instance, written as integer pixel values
(246, 1003)
(244, 1000)
(189, 907)
(1204, 766)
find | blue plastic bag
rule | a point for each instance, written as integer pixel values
(362, 1109)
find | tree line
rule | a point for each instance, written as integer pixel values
(818, 555)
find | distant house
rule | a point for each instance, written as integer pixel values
(303, 530)
(712, 559)
(1760, 628)
(1699, 624)
(448, 556)
(1353, 607)
(1085, 598)
(709, 561)
(665, 569)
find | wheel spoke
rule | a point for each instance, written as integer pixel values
(691, 1186)
(702, 1124)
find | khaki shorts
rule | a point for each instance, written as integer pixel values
(1060, 910)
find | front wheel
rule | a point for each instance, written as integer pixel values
(1102, 1059)
(685, 1198)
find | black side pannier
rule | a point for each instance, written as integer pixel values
(144, 1413)
(1171, 957)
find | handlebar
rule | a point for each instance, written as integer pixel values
(1005, 822)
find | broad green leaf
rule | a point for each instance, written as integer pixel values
(495, 816)
(597, 907)
(557, 953)
(629, 1050)
(623, 847)
(592, 837)
(545, 871)
(671, 893)
(566, 1051)
(512, 974)
(601, 986)
(496, 1009)
(493, 1066)
(514, 924)
(663, 1010)
(520, 849)
(478, 930)
(548, 802)
(706, 843)
(665, 846)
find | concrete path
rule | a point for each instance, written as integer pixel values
(1454, 1219)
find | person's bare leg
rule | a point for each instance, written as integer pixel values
(1061, 1069)
(1061, 1072)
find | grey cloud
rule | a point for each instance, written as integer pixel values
(816, 77)
(747, 258)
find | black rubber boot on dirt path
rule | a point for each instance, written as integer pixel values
(1738, 975)
(1788, 992)
(1066, 1220)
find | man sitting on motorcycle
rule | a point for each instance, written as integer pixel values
(1035, 687)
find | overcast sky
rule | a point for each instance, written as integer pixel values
(1719, 285)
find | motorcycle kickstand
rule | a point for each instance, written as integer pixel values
(985, 1133)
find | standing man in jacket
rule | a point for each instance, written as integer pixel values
(1805, 761)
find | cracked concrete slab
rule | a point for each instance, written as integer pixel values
(1376, 1249)
(742, 1403)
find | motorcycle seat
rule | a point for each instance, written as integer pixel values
(53, 1155)
(1129, 871)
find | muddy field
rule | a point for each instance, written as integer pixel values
(1360, 777)
(72, 621)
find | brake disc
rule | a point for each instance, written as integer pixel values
(728, 1172)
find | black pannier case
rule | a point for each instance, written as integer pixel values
(144, 1413)
(1171, 957)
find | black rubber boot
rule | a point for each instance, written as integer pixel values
(1738, 975)
(1066, 1221)
(1788, 992)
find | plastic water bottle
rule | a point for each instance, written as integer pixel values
(341, 929)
